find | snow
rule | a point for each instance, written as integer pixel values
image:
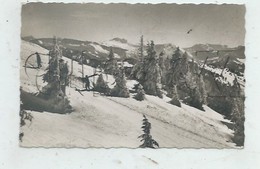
(40, 42)
(131, 83)
(94, 54)
(228, 77)
(213, 58)
(99, 48)
(116, 56)
(74, 44)
(26, 50)
(114, 43)
(126, 64)
(102, 121)
(130, 48)
(238, 62)
(188, 53)
(208, 48)
(241, 60)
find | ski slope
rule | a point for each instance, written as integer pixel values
(101, 121)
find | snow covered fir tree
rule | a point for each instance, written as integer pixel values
(120, 89)
(140, 94)
(149, 73)
(111, 65)
(57, 80)
(101, 86)
(138, 69)
(183, 78)
(175, 70)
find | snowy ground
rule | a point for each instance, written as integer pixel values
(228, 77)
(100, 121)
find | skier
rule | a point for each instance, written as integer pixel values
(86, 81)
(39, 61)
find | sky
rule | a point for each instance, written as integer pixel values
(162, 23)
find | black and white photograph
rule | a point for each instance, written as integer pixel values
(121, 75)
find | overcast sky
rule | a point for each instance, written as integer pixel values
(163, 23)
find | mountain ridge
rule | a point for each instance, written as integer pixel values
(96, 52)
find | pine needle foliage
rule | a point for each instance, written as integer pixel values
(146, 138)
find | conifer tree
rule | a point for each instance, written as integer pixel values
(56, 76)
(111, 55)
(194, 97)
(162, 66)
(111, 65)
(101, 86)
(183, 75)
(173, 77)
(141, 49)
(120, 89)
(140, 93)
(146, 138)
(152, 72)
(174, 70)
(195, 86)
(203, 90)
(175, 98)
(138, 71)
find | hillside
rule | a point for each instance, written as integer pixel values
(102, 121)
(218, 55)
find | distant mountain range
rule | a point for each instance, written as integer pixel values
(123, 50)
(93, 51)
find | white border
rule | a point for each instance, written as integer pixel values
(13, 157)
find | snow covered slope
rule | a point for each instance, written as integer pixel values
(120, 43)
(227, 77)
(101, 121)
(130, 49)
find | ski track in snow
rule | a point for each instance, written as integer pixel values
(100, 121)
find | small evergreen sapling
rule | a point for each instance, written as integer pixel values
(148, 141)
(140, 93)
